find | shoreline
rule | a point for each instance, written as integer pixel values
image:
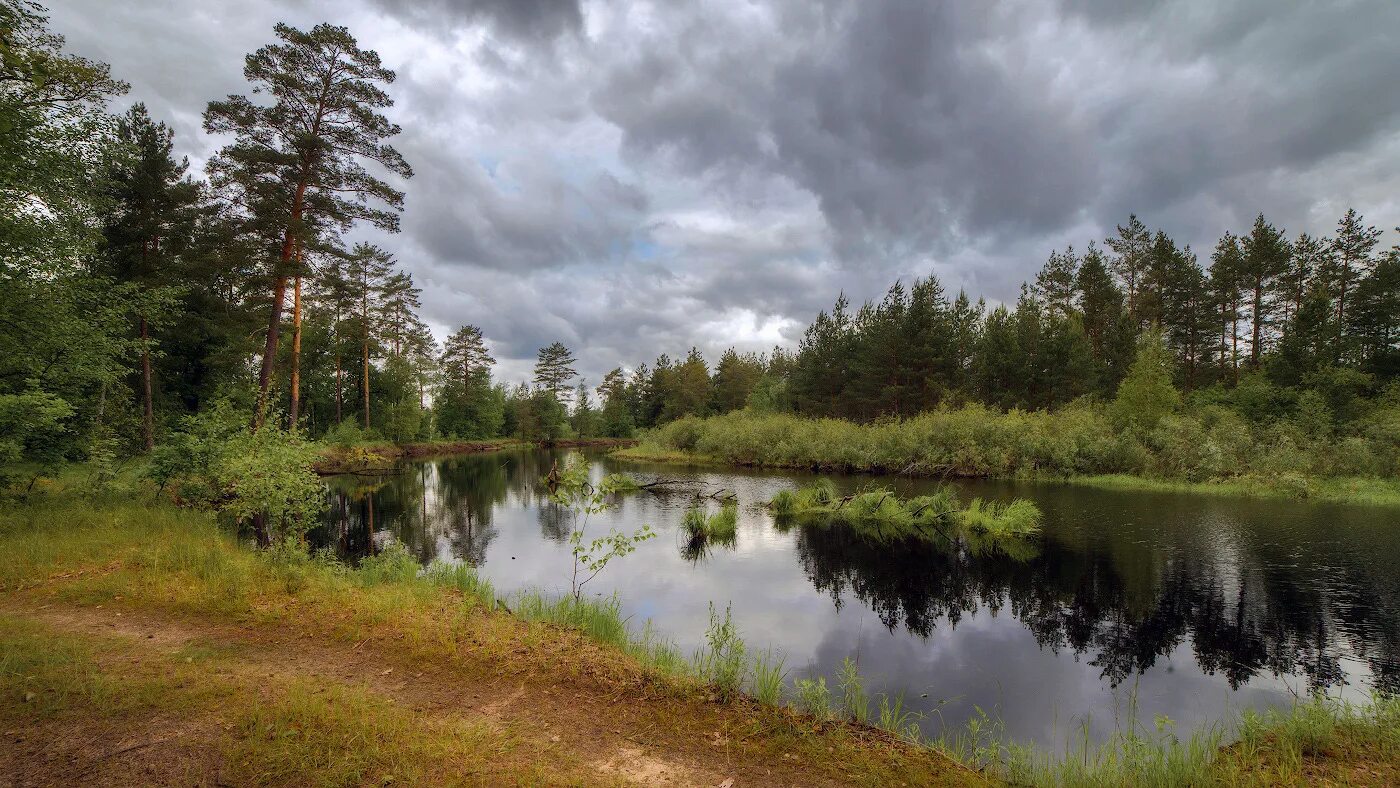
(1356, 491)
(364, 457)
(123, 616)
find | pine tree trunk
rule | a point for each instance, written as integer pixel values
(1235, 339)
(339, 388)
(364, 383)
(1258, 323)
(148, 423)
(269, 359)
(295, 410)
(279, 296)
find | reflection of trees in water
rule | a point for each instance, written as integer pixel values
(1240, 619)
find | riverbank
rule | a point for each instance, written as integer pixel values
(1073, 446)
(142, 643)
(374, 455)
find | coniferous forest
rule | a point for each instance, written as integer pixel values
(139, 293)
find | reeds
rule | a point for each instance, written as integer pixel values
(721, 527)
(1018, 518)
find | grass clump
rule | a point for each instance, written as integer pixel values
(882, 514)
(722, 526)
(768, 678)
(393, 564)
(464, 578)
(1018, 518)
(722, 661)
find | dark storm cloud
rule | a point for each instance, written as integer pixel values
(521, 19)
(637, 177)
(895, 116)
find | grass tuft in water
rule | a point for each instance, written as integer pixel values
(882, 515)
(1018, 518)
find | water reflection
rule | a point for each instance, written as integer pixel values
(1120, 585)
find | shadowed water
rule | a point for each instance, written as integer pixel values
(1140, 604)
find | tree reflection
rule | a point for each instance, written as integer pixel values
(1240, 620)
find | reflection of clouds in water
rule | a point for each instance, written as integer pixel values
(1167, 601)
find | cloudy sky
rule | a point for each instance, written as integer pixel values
(638, 177)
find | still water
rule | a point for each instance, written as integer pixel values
(1144, 604)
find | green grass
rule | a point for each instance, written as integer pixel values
(1350, 490)
(1212, 451)
(722, 527)
(882, 515)
(153, 555)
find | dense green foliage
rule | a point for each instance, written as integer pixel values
(1303, 333)
(134, 293)
(1214, 442)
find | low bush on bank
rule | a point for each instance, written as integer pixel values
(1209, 443)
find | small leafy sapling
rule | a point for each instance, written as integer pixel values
(573, 490)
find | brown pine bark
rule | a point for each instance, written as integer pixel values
(364, 382)
(279, 295)
(148, 418)
(295, 409)
(339, 387)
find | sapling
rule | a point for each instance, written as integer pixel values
(573, 490)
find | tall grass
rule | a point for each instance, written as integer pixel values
(1018, 518)
(768, 678)
(883, 515)
(722, 662)
(722, 526)
(462, 577)
(1209, 445)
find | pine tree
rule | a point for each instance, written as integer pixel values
(554, 368)
(1310, 257)
(1374, 320)
(154, 208)
(1131, 250)
(400, 305)
(690, 389)
(369, 270)
(1146, 395)
(932, 367)
(1351, 260)
(465, 353)
(1227, 263)
(617, 419)
(334, 293)
(294, 165)
(1265, 256)
(734, 379)
(1055, 285)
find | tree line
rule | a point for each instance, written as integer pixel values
(1315, 313)
(135, 293)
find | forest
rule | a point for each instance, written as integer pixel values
(139, 295)
(183, 349)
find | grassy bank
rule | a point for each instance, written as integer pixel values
(450, 686)
(1217, 455)
(257, 675)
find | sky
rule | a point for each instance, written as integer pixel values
(632, 178)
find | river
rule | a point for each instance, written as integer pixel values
(1129, 604)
